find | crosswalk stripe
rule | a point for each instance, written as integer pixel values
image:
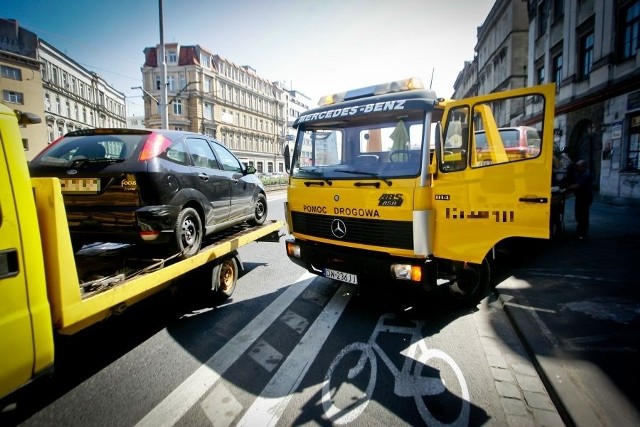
(180, 400)
(270, 405)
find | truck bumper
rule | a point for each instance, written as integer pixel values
(371, 268)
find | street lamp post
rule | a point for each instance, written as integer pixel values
(164, 113)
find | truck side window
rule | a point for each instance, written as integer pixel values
(498, 137)
(456, 141)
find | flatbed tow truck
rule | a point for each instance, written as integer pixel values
(47, 290)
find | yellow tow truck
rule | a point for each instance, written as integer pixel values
(390, 184)
(46, 289)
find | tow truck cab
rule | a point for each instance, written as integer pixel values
(389, 184)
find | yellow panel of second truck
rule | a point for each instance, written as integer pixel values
(26, 338)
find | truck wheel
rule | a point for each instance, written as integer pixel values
(188, 233)
(466, 284)
(260, 212)
(224, 277)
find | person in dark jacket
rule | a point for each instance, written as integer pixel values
(582, 187)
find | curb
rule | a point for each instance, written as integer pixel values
(564, 393)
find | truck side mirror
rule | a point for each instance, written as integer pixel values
(287, 158)
(437, 140)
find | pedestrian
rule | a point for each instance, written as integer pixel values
(582, 187)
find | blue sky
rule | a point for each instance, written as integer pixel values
(315, 47)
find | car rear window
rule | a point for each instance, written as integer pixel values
(92, 147)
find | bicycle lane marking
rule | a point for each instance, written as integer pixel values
(272, 402)
(179, 401)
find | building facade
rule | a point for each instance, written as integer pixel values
(209, 94)
(76, 98)
(589, 50)
(38, 78)
(500, 62)
(297, 104)
(20, 80)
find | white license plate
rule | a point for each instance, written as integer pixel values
(341, 276)
(80, 185)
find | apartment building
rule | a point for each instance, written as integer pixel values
(20, 80)
(589, 49)
(38, 78)
(212, 95)
(74, 97)
(297, 104)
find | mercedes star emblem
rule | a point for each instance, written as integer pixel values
(338, 228)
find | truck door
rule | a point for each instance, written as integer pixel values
(26, 334)
(16, 338)
(481, 192)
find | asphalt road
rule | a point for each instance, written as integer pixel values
(281, 352)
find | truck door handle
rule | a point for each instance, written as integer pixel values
(203, 176)
(534, 199)
(8, 263)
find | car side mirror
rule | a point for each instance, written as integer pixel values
(251, 169)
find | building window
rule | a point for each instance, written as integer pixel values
(557, 70)
(633, 147)
(540, 74)
(586, 55)
(628, 33)
(171, 82)
(177, 107)
(157, 82)
(208, 111)
(11, 73)
(172, 56)
(12, 97)
(558, 9)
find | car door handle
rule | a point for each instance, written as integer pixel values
(203, 176)
(534, 199)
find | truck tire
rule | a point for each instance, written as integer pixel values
(466, 283)
(224, 277)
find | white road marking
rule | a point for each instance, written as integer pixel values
(265, 355)
(220, 406)
(270, 405)
(180, 400)
(295, 321)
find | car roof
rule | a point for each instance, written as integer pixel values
(128, 131)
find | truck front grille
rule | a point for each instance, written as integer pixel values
(391, 234)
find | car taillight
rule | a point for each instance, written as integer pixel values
(154, 145)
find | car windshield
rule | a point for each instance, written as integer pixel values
(90, 148)
(357, 149)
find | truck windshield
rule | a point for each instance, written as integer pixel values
(384, 148)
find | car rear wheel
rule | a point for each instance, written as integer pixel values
(260, 212)
(188, 233)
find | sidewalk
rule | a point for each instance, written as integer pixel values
(576, 306)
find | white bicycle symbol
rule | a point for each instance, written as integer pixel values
(344, 402)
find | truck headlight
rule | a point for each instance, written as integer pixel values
(407, 272)
(293, 250)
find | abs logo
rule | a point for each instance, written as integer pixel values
(390, 200)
